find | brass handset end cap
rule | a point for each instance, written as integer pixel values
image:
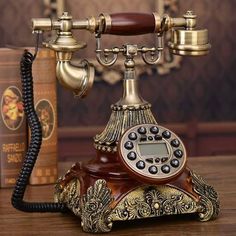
(189, 42)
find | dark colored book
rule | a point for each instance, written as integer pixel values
(13, 130)
(45, 96)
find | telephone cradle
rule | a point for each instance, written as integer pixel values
(102, 190)
(140, 169)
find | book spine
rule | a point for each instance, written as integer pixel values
(13, 131)
(45, 95)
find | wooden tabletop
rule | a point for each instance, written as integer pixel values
(219, 171)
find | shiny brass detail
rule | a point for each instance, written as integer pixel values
(153, 201)
(41, 24)
(96, 208)
(70, 195)
(77, 78)
(131, 95)
(190, 18)
(105, 21)
(122, 118)
(157, 18)
(92, 24)
(132, 109)
(189, 42)
(208, 206)
(98, 212)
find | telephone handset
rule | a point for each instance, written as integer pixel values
(152, 153)
(140, 167)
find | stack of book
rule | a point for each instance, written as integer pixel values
(14, 132)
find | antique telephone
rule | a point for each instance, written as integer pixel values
(140, 169)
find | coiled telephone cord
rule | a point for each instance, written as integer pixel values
(34, 145)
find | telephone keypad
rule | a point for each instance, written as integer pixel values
(152, 152)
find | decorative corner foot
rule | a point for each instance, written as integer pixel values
(95, 208)
(69, 194)
(208, 205)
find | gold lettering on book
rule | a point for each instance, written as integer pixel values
(14, 158)
(13, 147)
(10, 180)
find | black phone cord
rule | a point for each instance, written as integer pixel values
(34, 145)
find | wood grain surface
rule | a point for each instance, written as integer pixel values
(218, 171)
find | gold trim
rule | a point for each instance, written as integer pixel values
(165, 65)
(153, 201)
(157, 18)
(97, 214)
(209, 205)
(107, 22)
(95, 208)
(122, 118)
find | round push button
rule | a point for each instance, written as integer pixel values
(150, 138)
(174, 163)
(165, 169)
(149, 160)
(132, 136)
(132, 156)
(158, 137)
(142, 130)
(152, 169)
(175, 143)
(178, 153)
(164, 159)
(154, 129)
(129, 145)
(140, 165)
(166, 134)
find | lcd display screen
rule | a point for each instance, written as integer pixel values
(157, 149)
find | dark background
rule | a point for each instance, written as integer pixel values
(201, 93)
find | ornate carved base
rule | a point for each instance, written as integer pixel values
(100, 201)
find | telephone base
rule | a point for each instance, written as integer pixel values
(100, 200)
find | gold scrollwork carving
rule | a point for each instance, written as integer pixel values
(146, 201)
(70, 195)
(152, 201)
(209, 206)
(95, 208)
(120, 120)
